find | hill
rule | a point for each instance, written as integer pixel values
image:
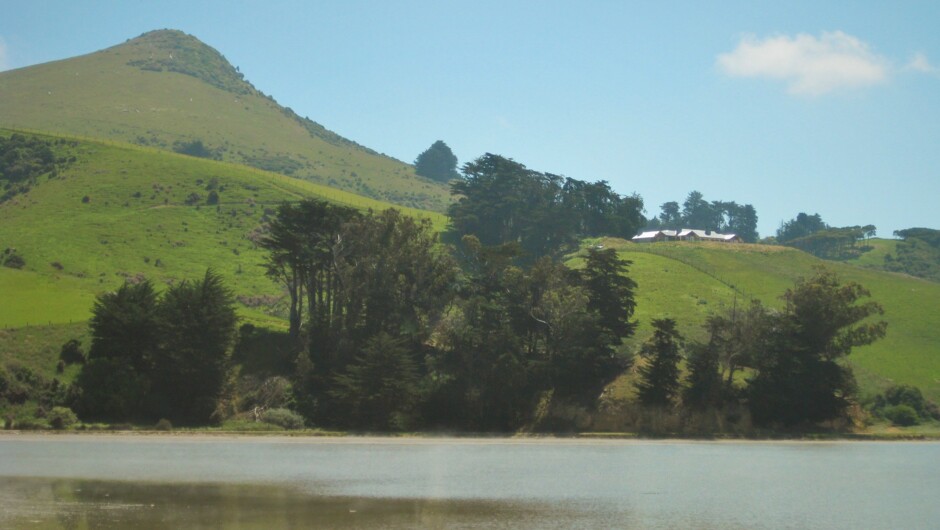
(168, 90)
(687, 281)
(119, 211)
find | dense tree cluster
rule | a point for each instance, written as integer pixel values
(793, 358)
(917, 254)
(196, 148)
(716, 216)
(157, 357)
(391, 329)
(394, 333)
(502, 201)
(25, 158)
(810, 234)
(438, 162)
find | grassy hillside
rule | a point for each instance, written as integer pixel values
(874, 258)
(168, 90)
(121, 211)
(686, 281)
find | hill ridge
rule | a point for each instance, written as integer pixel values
(169, 90)
(175, 51)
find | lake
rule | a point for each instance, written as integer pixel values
(120, 481)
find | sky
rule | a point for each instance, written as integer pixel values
(817, 107)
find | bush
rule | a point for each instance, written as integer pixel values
(14, 261)
(71, 353)
(163, 425)
(285, 418)
(30, 425)
(908, 395)
(902, 415)
(61, 418)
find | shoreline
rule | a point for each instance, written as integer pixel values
(452, 438)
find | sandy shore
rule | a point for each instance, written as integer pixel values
(418, 439)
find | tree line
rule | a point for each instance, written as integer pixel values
(500, 201)
(715, 216)
(394, 327)
(811, 234)
(158, 356)
(23, 159)
(786, 367)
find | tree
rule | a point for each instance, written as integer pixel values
(801, 226)
(197, 325)
(742, 220)
(659, 377)
(379, 273)
(125, 335)
(379, 390)
(703, 383)
(302, 242)
(71, 352)
(611, 292)
(501, 201)
(720, 216)
(670, 217)
(799, 374)
(698, 213)
(438, 162)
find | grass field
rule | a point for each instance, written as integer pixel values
(875, 257)
(101, 95)
(123, 211)
(139, 220)
(687, 281)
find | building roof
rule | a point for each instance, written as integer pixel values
(686, 233)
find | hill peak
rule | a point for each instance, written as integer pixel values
(170, 50)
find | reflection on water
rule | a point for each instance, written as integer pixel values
(190, 481)
(78, 504)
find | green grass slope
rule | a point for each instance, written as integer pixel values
(687, 281)
(874, 257)
(166, 88)
(122, 211)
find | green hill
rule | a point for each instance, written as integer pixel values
(123, 212)
(874, 255)
(168, 90)
(119, 211)
(687, 281)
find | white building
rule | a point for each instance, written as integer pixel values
(686, 234)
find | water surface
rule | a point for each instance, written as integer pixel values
(210, 482)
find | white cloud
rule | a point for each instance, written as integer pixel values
(3, 55)
(920, 63)
(809, 65)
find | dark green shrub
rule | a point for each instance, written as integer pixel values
(163, 425)
(5, 381)
(71, 353)
(285, 418)
(905, 395)
(61, 418)
(902, 415)
(14, 261)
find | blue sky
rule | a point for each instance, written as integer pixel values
(790, 106)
